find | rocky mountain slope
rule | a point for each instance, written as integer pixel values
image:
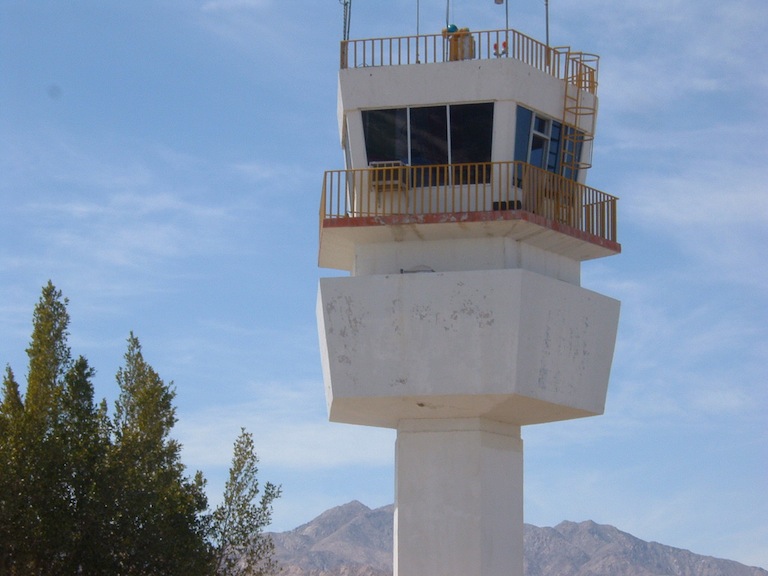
(353, 540)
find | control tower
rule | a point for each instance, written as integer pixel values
(463, 217)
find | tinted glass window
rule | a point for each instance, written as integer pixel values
(470, 126)
(538, 150)
(523, 134)
(553, 157)
(429, 135)
(386, 135)
(471, 133)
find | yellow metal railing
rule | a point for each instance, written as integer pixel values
(465, 45)
(393, 189)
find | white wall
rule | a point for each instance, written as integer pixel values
(458, 499)
(509, 345)
(450, 255)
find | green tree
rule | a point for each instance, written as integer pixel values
(237, 528)
(160, 528)
(11, 408)
(49, 446)
(85, 443)
(49, 358)
(83, 493)
(42, 500)
(11, 505)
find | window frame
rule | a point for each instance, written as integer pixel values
(532, 126)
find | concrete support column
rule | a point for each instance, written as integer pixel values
(458, 498)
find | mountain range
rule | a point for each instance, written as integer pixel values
(354, 540)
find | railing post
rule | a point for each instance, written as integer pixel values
(343, 55)
(322, 200)
(612, 206)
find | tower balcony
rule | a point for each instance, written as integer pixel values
(578, 69)
(392, 202)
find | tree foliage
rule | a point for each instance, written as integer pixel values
(241, 549)
(85, 493)
(158, 525)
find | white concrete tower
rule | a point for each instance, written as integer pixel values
(463, 217)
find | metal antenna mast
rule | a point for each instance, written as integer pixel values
(347, 4)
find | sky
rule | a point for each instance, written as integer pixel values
(161, 162)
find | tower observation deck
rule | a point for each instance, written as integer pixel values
(463, 217)
(492, 130)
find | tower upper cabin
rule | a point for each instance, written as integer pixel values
(476, 146)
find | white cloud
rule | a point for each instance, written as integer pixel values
(290, 430)
(275, 178)
(128, 230)
(721, 396)
(703, 193)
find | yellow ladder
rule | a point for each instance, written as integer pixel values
(579, 112)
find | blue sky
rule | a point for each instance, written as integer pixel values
(161, 162)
